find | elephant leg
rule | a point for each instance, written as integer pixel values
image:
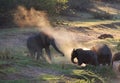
(79, 60)
(32, 53)
(95, 60)
(109, 62)
(39, 53)
(48, 57)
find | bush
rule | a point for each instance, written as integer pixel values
(7, 8)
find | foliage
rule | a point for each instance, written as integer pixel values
(61, 6)
(66, 72)
(7, 8)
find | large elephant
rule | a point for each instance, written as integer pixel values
(84, 56)
(104, 54)
(37, 43)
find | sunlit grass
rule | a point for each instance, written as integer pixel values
(88, 23)
(48, 77)
(67, 72)
(74, 74)
(88, 75)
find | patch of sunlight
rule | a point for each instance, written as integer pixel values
(48, 77)
(109, 10)
(91, 23)
(62, 1)
(88, 75)
(83, 81)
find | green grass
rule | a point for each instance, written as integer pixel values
(68, 72)
(76, 75)
(89, 74)
(15, 81)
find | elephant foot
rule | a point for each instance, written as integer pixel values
(48, 60)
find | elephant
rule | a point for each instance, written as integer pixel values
(103, 53)
(116, 57)
(40, 41)
(84, 56)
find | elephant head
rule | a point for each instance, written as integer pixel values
(84, 56)
(74, 55)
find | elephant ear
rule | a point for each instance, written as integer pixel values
(73, 56)
(79, 51)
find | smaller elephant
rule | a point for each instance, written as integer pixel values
(116, 57)
(37, 43)
(104, 54)
(84, 56)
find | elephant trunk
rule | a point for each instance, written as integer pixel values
(72, 59)
(55, 47)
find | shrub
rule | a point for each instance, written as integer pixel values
(7, 8)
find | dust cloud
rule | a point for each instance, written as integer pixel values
(65, 40)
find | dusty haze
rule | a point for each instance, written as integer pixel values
(65, 40)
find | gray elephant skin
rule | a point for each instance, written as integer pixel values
(38, 42)
(104, 54)
(84, 56)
